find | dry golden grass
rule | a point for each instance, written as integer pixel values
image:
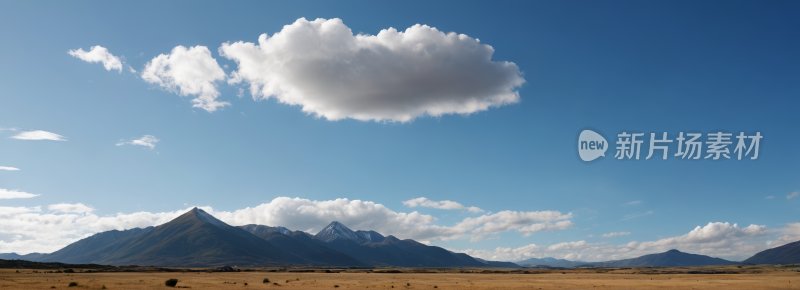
(637, 278)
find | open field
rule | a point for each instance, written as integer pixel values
(748, 277)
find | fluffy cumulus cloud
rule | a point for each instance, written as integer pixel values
(146, 141)
(615, 234)
(98, 54)
(715, 239)
(395, 76)
(13, 193)
(66, 223)
(8, 168)
(39, 135)
(444, 204)
(188, 72)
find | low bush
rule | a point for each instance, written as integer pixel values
(171, 282)
(73, 284)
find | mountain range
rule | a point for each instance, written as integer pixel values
(197, 239)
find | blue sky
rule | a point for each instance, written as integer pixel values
(614, 66)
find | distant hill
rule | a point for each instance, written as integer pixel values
(27, 257)
(671, 258)
(786, 254)
(498, 263)
(549, 262)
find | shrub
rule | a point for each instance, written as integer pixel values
(73, 284)
(266, 280)
(171, 282)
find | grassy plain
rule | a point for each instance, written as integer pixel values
(748, 277)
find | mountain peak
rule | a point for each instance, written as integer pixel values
(336, 230)
(673, 251)
(205, 217)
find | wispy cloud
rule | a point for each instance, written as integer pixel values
(444, 204)
(770, 196)
(8, 129)
(792, 195)
(39, 135)
(616, 234)
(146, 140)
(14, 193)
(630, 216)
(633, 202)
(8, 168)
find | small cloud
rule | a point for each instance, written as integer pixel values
(8, 168)
(70, 208)
(473, 209)
(590, 236)
(792, 195)
(770, 196)
(633, 202)
(8, 129)
(241, 93)
(98, 54)
(39, 135)
(14, 193)
(146, 140)
(444, 204)
(608, 235)
(630, 216)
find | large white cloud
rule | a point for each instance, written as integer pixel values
(444, 204)
(13, 193)
(39, 135)
(187, 72)
(324, 68)
(98, 54)
(715, 239)
(66, 223)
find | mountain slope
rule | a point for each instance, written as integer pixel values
(301, 244)
(669, 258)
(91, 248)
(786, 254)
(375, 249)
